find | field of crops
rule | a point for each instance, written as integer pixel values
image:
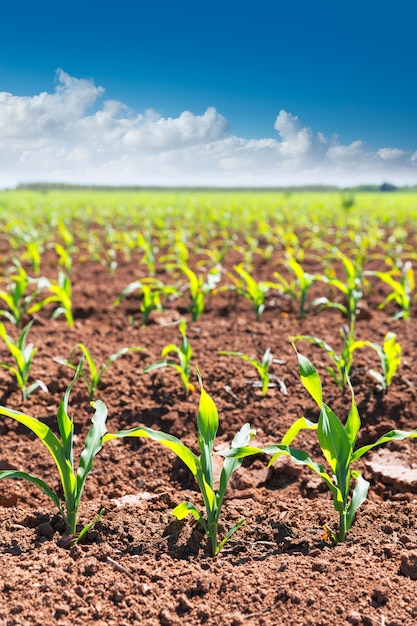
(207, 408)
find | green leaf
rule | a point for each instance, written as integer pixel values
(392, 435)
(93, 444)
(187, 508)
(65, 423)
(229, 534)
(334, 443)
(156, 365)
(295, 428)
(90, 362)
(310, 378)
(169, 441)
(208, 419)
(359, 496)
(240, 440)
(52, 443)
(353, 422)
(208, 494)
(170, 348)
(36, 481)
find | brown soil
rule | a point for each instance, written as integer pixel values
(140, 565)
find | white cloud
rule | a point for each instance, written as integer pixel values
(390, 153)
(75, 135)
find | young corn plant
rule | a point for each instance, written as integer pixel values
(21, 295)
(93, 378)
(337, 443)
(184, 353)
(62, 294)
(65, 250)
(402, 289)
(23, 355)
(201, 467)
(61, 450)
(390, 355)
(262, 367)
(199, 286)
(149, 249)
(297, 288)
(34, 249)
(342, 361)
(253, 291)
(151, 290)
(351, 288)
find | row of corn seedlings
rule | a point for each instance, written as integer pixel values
(275, 221)
(337, 443)
(26, 295)
(179, 358)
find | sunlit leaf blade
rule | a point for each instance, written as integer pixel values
(90, 362)
(65, 423)
(392, 435)
(208, 419)
(169, 348)
(353, 422)
(36, 481)
(207, 492)
(295, 428)
(93, 444)
(334, 443)
(169, 441)
(187, 508)
(52, 443)
(229, 534)
(359, 496)
(156, 365)
(240, 440)
(207, 423)
(310, 378)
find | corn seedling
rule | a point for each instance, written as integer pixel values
(104, 253)
(149, 250)
(62, 294)
(92, 380)
(390, 355)
(337, 443)
(253, 291)
(177, 257)
(23, 355)
(61, 450)
(19, 298)
(298, 288)
(151, 290)
(66, 250)
(199, 287)
(351, 288)
(33, 254)
(262, 367)
(201, 467)
(402, 289)
(342, 361)
(184, 353)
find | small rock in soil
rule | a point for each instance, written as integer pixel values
(354, 618)
(408, 565)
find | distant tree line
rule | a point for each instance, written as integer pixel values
(385, 187)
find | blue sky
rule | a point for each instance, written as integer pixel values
(215, 93)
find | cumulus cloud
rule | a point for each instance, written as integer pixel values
(75, 135)
(390, 153)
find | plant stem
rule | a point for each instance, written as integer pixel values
(71, 522)
(342, 526)
(212, 533)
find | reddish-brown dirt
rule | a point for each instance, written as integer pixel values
(141, 566)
